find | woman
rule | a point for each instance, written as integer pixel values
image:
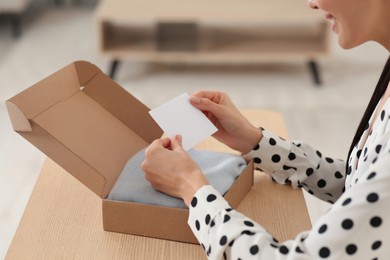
(357, 226)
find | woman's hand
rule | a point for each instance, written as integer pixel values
(234, 129)
(169, 169)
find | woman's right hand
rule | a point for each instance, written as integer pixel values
(234, 129)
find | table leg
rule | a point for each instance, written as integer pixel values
(113, 67)
(16, 23)
(314, 70)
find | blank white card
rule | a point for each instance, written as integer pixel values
(178, 116)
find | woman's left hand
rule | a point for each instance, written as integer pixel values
(170, 169)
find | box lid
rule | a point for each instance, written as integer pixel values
(85, 122)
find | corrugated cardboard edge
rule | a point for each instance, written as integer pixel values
(86, 71)
(241, 186)
(18, 119)
(163, 222)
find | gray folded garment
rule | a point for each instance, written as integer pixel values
(221, 170)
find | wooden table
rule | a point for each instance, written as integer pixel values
(63, 218)
(228, 31)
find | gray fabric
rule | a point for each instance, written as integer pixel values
(221, 170)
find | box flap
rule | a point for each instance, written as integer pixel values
(92, 134)
(123, 106)
(19, 120)
(49, 91)
(98, 135)
(86, 71)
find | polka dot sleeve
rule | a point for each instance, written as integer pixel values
(300, 165)
(355, 227)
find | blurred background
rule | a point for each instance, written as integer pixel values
(286, 61)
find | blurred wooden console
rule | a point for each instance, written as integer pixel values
(228, 31)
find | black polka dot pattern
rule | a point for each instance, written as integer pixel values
(351, 249)
(207, 220)
(211, 198)
(254, 249)
(292, 156)
(372, 175)
(257, 160)
(276, 158)
(223, 240)
(376, 245)
(376, 221)
(324, 252)
(372, 197)
(347, 201)
(302, 161)
(352, 228)
(249, 223)
(197, 225)
(347, 224)
(194, 202)
(322, 229)
(283, 250)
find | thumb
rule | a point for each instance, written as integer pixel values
(176, 142)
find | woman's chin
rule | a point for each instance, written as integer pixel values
(346, 43)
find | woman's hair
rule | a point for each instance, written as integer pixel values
(376, 96)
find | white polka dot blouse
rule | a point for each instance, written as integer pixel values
(357, 226)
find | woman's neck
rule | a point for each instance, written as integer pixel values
(380, 23)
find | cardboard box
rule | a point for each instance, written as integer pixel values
(91, 126)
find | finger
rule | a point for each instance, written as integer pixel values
(166, 142)
(206, 105)
(176, 142)
(161, 142)
(247, 158)
(212, 95)
(157, 144)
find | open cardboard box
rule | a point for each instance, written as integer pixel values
(91, 126)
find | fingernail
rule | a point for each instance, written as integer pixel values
(195, 100)
(179, 138)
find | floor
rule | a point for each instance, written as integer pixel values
(326, 117)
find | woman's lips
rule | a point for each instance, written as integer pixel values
(332, 20)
